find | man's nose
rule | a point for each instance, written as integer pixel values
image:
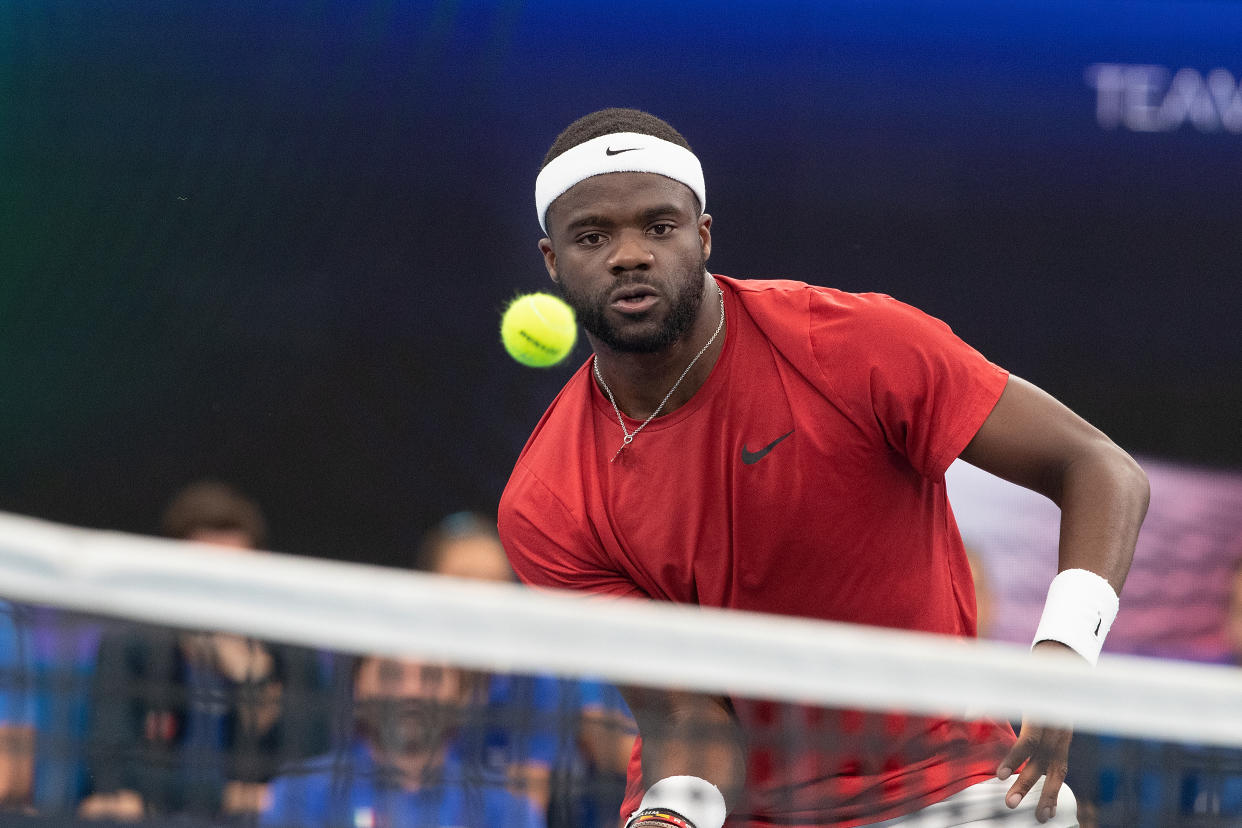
(630, 252)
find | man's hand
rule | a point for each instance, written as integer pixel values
(1045, 750)
(1046, 753)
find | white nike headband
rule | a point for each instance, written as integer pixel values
(618, 152)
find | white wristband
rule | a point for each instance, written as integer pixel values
(696, 799)
(1079, 612)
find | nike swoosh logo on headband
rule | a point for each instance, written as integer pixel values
(611, 151)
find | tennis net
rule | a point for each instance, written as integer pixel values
(169, 683)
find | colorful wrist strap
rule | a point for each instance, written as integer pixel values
(659, 818)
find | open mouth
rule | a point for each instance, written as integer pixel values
(634, 299)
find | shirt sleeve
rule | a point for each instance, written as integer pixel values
(903, 376)
(549, 547)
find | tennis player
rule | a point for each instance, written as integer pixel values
(779, 447)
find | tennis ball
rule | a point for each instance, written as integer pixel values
(538, 329)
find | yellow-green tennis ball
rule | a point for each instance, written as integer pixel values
(538, 329)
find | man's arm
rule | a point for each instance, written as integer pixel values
(689, 734)
(1033, 440)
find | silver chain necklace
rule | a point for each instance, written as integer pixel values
(630, 435)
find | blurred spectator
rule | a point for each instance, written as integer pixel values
(199, 722)
(563, 743)
(402, 768)
(1216, 790)
(63, 645)
(16, 717)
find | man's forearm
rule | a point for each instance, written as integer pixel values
(1103, 499)
(686, 734)
(1033, 440)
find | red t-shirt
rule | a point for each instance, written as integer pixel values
(805, 477)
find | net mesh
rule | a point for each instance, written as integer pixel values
(168, 683)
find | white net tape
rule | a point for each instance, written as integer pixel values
(368, 609)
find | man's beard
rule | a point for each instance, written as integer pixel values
(684, 302)
(410, 726)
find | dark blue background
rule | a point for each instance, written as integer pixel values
(270, 241)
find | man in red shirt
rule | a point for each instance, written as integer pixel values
(777, 447)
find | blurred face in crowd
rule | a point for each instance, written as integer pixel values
(409, 708)
(480, 557)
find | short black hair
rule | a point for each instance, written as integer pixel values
(608, 121)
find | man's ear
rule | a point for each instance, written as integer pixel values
(549, 257)
(705, 235)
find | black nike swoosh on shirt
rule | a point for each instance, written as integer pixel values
(752, 457)
(611, 151)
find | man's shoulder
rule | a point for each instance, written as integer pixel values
(806, 322)
(354, 760)
(834, 317)
(304, 787)
(760, 293)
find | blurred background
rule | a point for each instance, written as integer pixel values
(270, 242)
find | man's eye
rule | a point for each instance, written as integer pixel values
(661, 229)
(591, 238)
